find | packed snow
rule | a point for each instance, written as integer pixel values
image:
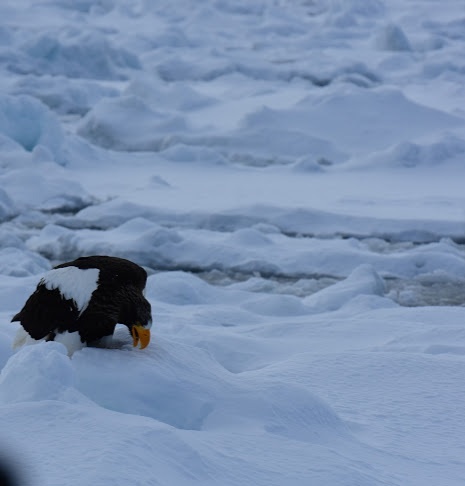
(290, 174)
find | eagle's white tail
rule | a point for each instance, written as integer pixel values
(22, 338)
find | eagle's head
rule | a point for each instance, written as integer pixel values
(141, 323)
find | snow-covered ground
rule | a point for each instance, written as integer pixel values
(290, 173)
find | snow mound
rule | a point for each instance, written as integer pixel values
(7, 208)
(347, 13)
(250, 252)
(55, 422)
(110, 214)
(183, 69)
(337, 117)
(409, 154)
(249, 237)
(107, 125)
(174, 97)
(65, 96)
(182, 152)
(277, 305)
(38, 372)
(86, 6)
(175, 384)
(45, 186)
(179, 69)
(76, 54)
(392, 38)
(183, 386)
(265, 146)
(31, 124)
(363, 280)
(279, 408)
(181, 288)
(268, 219)
(17, 262)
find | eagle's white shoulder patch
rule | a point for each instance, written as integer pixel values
(73, 283)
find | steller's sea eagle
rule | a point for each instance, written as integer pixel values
(87, 297)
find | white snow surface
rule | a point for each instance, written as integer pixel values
(290, 174)
(77, 284)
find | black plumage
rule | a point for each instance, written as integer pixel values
(115, 296)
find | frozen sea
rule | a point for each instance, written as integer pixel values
(291, 175)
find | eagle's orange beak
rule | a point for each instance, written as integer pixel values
(141, 334)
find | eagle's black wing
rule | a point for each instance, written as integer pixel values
(45, 312)
(101, 315)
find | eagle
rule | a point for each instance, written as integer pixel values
(80, 302)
